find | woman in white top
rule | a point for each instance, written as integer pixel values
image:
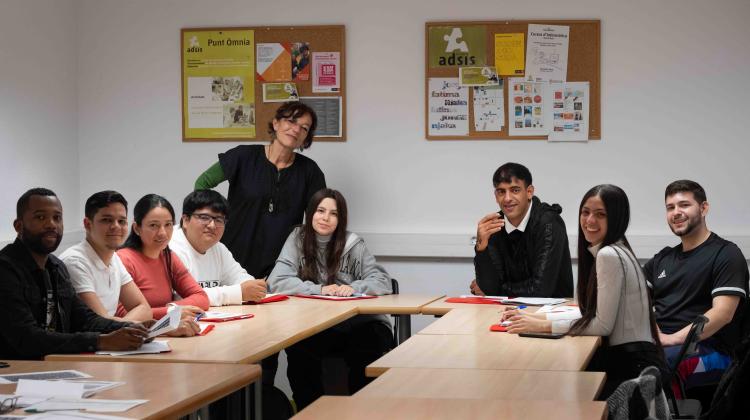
(612, 293)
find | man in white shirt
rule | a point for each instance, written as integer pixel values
(96, 272)
(204, 216)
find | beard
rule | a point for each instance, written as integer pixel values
(37, 245)
(692, 223)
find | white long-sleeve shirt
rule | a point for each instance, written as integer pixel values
(216, 271)
(622, 310)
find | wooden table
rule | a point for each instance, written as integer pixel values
(485, 384)
(401, 306)
(441, 307)
(468, 320)
(272, 329)
(355, 408)
(488, 351)
(173, 389)
(388, 304)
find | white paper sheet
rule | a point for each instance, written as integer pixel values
(527, 107)
(71, 415)
(569, 111)
(547, 53)
(536, 301)
(22, 401)
(167, 323)
(148, 348)
(104, 406)
(448, 113)
(34, 388)
(489, 114)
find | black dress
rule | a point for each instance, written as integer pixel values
(265, 203)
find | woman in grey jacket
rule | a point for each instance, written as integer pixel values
(612, 293)
(321, 257)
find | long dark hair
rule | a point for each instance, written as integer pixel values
(617, 207)
(147, 203)
(335, 248)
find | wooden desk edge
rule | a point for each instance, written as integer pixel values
(218, 391)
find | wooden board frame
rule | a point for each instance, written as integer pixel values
(320, 37)
(584, 65)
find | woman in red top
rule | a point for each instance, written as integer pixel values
(156, 270)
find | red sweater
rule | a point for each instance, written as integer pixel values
(151, 277)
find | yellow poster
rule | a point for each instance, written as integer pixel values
(509, 58)
(218, 84)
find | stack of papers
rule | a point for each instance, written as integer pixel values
(533, 301)
(44, 375)
(148, 348)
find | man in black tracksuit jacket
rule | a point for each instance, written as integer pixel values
(525, 252)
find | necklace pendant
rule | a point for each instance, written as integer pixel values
(270, 206)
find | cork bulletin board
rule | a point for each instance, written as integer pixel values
(584, 57)
(236, 64)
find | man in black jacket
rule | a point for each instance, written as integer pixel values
(523, 250)
(41, 312)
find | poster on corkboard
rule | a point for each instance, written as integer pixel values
(233, 78)
(560, 49)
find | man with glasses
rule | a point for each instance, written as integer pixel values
(96, 272)
(204, 216)
(523, 249)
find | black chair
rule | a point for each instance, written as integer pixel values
(686, 408)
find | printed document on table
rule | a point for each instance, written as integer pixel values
(43, 375)
(22, 401)
(69, 415)
(547, 53)
(168, 323)
(148, 348)
(104, 406)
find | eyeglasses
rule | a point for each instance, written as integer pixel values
(7, 405)
(205, 219)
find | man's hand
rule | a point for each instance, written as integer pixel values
(475, 290)
(126, 338)
(253, 290)
(329, 290)
(487, 226)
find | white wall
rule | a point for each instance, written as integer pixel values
(673, 88)
(38, 136)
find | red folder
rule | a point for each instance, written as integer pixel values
(231, 318)
(498, 328)
(276, 298)
(473, 300)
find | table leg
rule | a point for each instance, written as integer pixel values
(404, 328)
